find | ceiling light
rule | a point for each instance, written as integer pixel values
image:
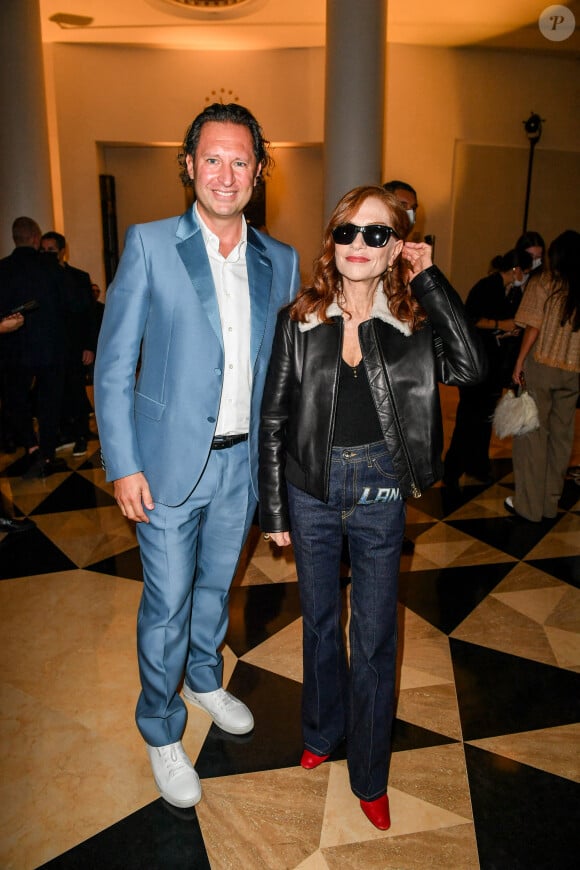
(208, 9)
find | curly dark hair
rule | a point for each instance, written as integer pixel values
(326, 279)
(233, 114)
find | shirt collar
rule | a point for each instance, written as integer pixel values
(212, 241)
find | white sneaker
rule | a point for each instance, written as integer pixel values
(227, 712)
(174, 775)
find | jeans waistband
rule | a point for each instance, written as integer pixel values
(221, 442)
(359, 452)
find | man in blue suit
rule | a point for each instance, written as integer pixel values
(192, 308)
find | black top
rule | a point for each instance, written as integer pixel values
(27, 275)
(488, 298)
(357, 421)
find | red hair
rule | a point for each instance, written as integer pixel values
(326, 279)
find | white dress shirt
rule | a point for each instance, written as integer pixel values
(230, 277)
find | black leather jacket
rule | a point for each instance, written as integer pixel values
(299, 403)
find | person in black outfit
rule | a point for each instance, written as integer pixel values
(491, 305)
(7, 523)
(80, 345)
(33, 355)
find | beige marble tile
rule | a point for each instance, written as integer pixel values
(566, 614)
(563, 540)
(68, 641)
(344, 821)
(524, 576)
(281, 654)
(445, 546)
(480, 553)
(263, 820)
(433, 707)
(416, 515)
(555, 750)
(62, 782)
(565, 646)
(316, 861)
(28, 494)
(424, 653)
(536, 604)
(451, 848)
(494, 625)
(436, 774)
(88, 536)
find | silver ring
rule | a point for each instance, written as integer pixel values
(266, 536)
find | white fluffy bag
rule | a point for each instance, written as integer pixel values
(516, 413)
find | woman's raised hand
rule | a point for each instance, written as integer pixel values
(419, 255)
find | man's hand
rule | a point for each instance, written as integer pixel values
(88, 357)
(133, 496)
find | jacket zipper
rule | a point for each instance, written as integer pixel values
(415, 491)
(340, 325)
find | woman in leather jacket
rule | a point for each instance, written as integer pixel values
(351, 427)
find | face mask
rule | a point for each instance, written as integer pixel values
(537, 261)
(520, 283)
(411, 215)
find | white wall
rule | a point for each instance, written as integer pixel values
(435, 97)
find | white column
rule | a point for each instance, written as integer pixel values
(356, 42)
(24, 157)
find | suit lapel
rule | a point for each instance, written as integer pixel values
(191, 249)
(260, 283)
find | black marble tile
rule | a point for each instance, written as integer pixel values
(510, 534)
(570, 498)
(499, 693)
(93, 459)
(258, 612)
(525, 819)
(25, 554)
(17, 467)
(500, 468)
(407, 736)
(126, 564)
(157, 837)
(74, 493)
(276, 740)
(413, 530)
(566, 568)
(444, 597)
(445, 500)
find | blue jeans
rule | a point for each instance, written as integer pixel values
(338, 700)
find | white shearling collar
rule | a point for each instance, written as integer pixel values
(380, 310)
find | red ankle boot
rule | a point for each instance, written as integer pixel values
(309, 760)
(377, 812)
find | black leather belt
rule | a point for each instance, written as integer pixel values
(223, 441)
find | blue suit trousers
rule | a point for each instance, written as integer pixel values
(189, 555)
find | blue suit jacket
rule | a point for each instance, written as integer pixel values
(162, 308)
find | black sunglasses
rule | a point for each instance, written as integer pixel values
(374, 235)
